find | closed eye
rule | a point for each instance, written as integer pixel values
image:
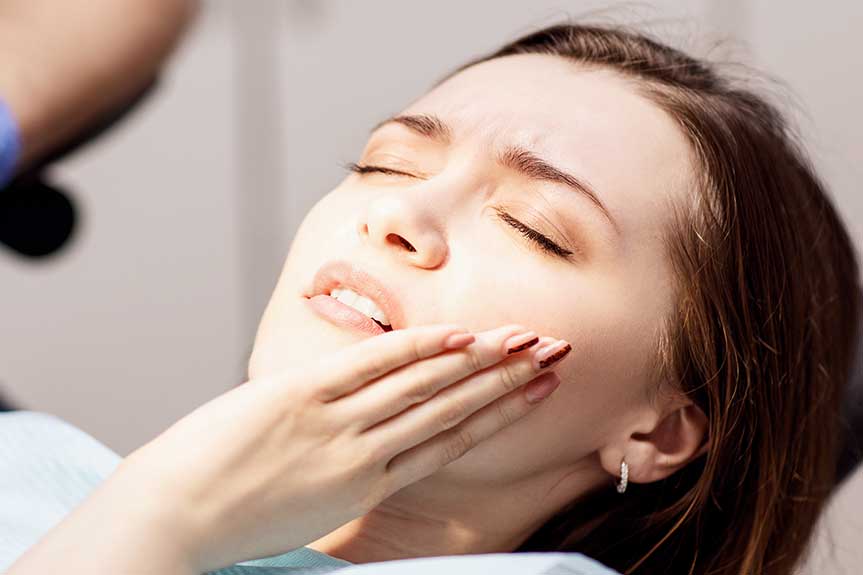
(544, 242)
(368, 169)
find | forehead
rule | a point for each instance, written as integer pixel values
(590, 121)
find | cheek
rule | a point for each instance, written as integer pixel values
(325, 230)
(603, 379)
(283, 339)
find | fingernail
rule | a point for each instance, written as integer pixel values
(538, 389)
(520, 341)
(551, 354)
(458, 340)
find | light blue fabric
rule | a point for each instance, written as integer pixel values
(10, 143)
(48, 467)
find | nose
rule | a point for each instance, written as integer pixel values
(406, 227)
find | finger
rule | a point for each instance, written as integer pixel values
(458, 402)
(426, 458)
(417, 382)
(352, 367)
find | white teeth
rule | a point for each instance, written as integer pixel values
(360, 303)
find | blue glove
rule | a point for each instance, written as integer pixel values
(10, 144)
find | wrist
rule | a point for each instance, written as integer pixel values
(162, 518)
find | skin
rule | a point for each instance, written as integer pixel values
(608, 299)
(54, 91)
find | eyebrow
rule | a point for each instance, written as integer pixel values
(424, 124)
(514, 157)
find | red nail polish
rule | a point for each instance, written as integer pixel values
(551, 354)
(521, 342)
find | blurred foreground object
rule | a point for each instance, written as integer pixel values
(68, 72)
(65, 66)
(37, 217)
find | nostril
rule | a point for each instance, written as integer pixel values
(402, 241)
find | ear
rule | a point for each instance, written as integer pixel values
(659, 441)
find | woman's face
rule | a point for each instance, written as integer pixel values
(522, 140)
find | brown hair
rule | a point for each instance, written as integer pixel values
(761, 338)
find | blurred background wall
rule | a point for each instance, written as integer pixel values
(190, 206)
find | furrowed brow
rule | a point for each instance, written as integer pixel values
(426, 125)
(516, 158)
(536, 168)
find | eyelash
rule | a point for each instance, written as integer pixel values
(540, 240)
(360, 169)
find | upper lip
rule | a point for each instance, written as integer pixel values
(343, 273)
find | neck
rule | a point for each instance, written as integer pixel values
(438, 516)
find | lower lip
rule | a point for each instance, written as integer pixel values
(338, 313)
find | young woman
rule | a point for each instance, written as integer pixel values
(584, 207)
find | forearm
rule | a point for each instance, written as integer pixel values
(118, 530)
(62, 64)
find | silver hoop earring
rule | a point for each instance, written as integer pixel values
(624, 476)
